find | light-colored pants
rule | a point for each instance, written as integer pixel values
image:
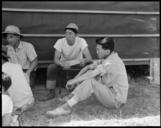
(103, 93)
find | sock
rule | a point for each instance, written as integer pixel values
(72, 101)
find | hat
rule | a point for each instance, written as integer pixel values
(4, 52)
(72, 26)
(12, 29)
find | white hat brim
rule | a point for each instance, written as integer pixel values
(12, 33)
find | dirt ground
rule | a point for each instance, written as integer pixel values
(143, 101)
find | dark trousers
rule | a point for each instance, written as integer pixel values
(59, 74)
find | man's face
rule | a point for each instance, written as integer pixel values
(12, 39)
(101, 53)
(70, 35)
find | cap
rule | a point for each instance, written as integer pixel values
(72, 26)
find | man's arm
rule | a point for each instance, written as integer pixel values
(85, 69)
(57, 60)
(32, 66)
(57, 57)
(87, 56)
(32, 56)
(88, 75)
(94, 69)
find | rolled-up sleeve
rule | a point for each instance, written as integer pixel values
(103, 68)
(31, 52)
(83, 44)
(58, 45)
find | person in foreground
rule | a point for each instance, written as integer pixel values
(7, 104)
(106, 78)
(20, 91)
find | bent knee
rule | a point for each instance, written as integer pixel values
(52, 66)
(95, 82)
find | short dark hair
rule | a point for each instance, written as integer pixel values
(74, 30)
(106, 42)
(6, 81)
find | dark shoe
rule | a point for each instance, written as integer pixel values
(50, 96)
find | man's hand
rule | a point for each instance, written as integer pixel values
(82, 62)
(70, 84)
(65, 65)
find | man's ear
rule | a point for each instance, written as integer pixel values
(108, 51)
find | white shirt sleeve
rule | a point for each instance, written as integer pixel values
(58, 45)
(31, 53)
(7, 105)
(83, 44)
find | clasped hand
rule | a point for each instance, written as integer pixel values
(65, 65)
(70, 84)
(82, 62)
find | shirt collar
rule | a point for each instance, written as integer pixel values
(20, 45)
(113, 54)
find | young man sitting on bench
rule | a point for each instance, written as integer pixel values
(70, 52)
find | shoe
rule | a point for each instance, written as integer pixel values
(57, 112)
(48, 97)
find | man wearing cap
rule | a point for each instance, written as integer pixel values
(19, 51)
(70, 51)
(19, 91)
(106, 78)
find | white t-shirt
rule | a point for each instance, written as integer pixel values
(7, 105)
(19, 91)
(74, 52)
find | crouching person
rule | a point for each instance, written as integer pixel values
(7, 104)
(106, 78)
(20, 91)
(8, 116)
